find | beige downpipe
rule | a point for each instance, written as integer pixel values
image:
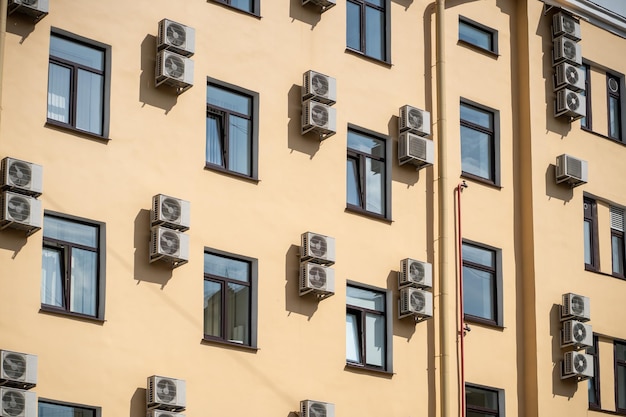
(442, 200)
(3, 31)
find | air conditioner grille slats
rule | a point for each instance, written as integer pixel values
(617, 218)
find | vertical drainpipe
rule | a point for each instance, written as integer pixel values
(3, 31)
(442, 200)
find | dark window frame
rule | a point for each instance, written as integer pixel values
(252, 307)
(386, 32)
(101, 251)
(595, 381)
(254, 134)
(617, 96)
(587, 121)
(591, 216)
(73, 66)
(97, 410)
(256, 7)
(500, 412)
(360, 157)
(498, 283)
(619, 234)
(494, 133)
(492, 33)
(622, 364)
(388, 316)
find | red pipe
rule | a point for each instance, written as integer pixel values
(461, 321)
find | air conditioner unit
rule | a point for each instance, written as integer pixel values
(415, 302)
(569, 76)
(318, 117)
(319, 87)
(566, 49)
(169, 245)
(170, 212)
(18, 403)
(20, 212)
(174, 70)
(317, 248)
(324, 4)
(165, 394)
(21, 176)
(176, 37)
(570, 170)
(163, 413)
(414, 120)
(565, 25)
(415, 273)
(577, 334)
(18, 370)
(415, 150)
(576, 364)
(310, 408)
(575, 306)
(570, 103)
(35, 8)
(317, 279)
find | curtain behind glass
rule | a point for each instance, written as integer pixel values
(353, 350)
(89, 102)
(214, 152)
(59, 93)
(52, 277)
(212, 308)
(240, 142)
(238, 325)
(375, 339)
(84, 282)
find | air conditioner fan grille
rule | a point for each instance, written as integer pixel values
(13, 403)
(20, 173)
(176, 34)
(14, 366)
(165, 390)
(318, 246)
(174, 66)
(170, 244)
(18, 208)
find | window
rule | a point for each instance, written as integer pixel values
(608, 118)
(367, 172)
(620, 376)
(480, 144)
(231, 129)
(78, 84)
(73, 265)
(482, 283)
(483, 401)
(614, 107)
(593, 383)
(617, 241)
(57, 409)
(585, 122)
(474, 33)
(368, 28)
(368, 328)
(591, 234)
(230, 298)
(250, 6)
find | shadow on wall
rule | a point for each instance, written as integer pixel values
(20, 25)
(138, 403)
(560, 387)
(405, 327)
(559, 191)
(163, 97)
(294, 303)
(309, 14)
(308, 144)
(13, 240)
(157, 272)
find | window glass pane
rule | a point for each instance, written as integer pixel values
(374, 33)
(228, 100)
(214, 153)
(476, 152)
(478, 293)
(354, 188)
(76, 52)
(365, 298)
(621, 387)
(477, 117)
(69, 231)
(475, 36)
(587, 227)
(212, 308)
(57, 410)
(52, 277)
(620, 352)
(591, 391)
(617, 251)
(84, 281)
(614, 116)
(226, 267)
(479, 255)
(353, 352)
(89, 102)
(246, 5)
(59, 93)
(375, 179)
(238, 316)
(583, 120)
(353, 25)
(379, 3)
(240, 143)
(481, 398)
(366, 144)
(375, 339)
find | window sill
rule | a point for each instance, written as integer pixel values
(488, 52)
(606, 274)
(603, 136)
(61, 126)
(611, 412)
(370, 58)
(483, 322)
(221, 170)
(69, 314)
(367, 369)
(365, 213)
(228, 6)
(481, 180)
(221, 342)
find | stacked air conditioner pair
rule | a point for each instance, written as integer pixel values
(17, 376)
(175, 44)
(165, 397)
(319, 93)
(576, 334)
(415, 278)
(413, 147)
(169, 219)
(317, 254)
(22, 183)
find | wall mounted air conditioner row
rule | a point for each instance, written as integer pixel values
(566, 50)
(570, 103)
(575, 306)
(565, 25)
(174, 70)
(415, 150)
(576, 334)
(319, 118)
(569, 76)
(570, 170)
(415, 302)
(17, 403)
(176, 37)
(310, 408)
(415, 273)
(21, 176)
(316, 279)
(170, 212)
(169, 245)
(18, 370)
(319, 87)
(414, 120)
(576, 365)
(35, 8)
(324, 4)
(20, 212)
(167, 394)
(317, 248)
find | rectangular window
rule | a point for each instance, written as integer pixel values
(231, 129)
(478, 35)
(620, 377)
(585, 122)
(617, 240)
(593, 383)
(78, 84)
(614, 107)
(480, 144)
(483, 401)
(230, 298)
(367, 23)
(482, 283)
(367, 173)
(368, 332)
(73, 263)
(61, 409)
(591, 234)
(250, 6)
